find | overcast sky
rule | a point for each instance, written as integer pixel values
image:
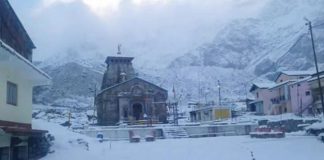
(147, 29)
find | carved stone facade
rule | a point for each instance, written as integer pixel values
(127, 98)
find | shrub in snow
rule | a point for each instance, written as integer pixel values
(39, 146)
(321, 137)
(81, 142)
(66, 124)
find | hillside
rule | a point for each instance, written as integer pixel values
(245, 50)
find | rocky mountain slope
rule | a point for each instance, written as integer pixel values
(72, 85)
(259, 47)
(244, 51)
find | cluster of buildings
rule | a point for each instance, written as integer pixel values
(18, 76)
(295, 92)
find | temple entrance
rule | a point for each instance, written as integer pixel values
(137, 111)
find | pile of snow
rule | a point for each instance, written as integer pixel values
(316, 126)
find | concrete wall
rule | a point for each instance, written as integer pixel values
(299, 99)
(18, 70)
(123, 133)
(193, 131)
(219, 130)
(4, 140)
(316, 91)
(22, 112)
(284, 105)
(265, 95)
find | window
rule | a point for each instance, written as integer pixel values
(12, 93)
(307, 93)
(257, 94)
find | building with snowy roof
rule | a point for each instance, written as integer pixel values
(289, 93)
(262, 97)
(18, 76)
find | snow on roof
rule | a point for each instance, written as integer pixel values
(318, 125)
(118, 84)
(301, 80)
(15, 53)
(282, 83)
(297, 73)
(315, 78)
(264, 84)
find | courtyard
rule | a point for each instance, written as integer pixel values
(70, 145)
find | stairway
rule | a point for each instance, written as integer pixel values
(174, 132)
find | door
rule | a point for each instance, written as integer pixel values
(137, 111)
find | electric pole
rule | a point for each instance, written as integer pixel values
(219, 93)
(94, 102)
(174, 106)
(309, 24)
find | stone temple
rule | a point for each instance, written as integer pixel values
(126, 98)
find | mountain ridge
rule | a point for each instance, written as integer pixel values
(244, 51)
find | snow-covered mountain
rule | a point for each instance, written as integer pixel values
(242, 52)
(275, 40)
(246, 43)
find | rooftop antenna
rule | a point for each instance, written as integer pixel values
(119, 48)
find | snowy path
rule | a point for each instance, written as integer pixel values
(222, 148)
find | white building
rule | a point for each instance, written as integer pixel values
(18, 76)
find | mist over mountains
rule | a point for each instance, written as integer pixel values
(242, 51)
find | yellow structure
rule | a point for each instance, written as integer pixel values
(222, 113)
(202, 113)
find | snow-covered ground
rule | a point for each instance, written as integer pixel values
(293, 147)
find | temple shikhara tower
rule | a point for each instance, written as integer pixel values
(126, 98)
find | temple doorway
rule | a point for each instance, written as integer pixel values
(137, 111)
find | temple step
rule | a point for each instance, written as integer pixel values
(175, 132)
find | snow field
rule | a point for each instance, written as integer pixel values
(293, 147)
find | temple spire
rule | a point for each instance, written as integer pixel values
(119, 49)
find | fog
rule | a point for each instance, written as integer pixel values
(151, 30)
